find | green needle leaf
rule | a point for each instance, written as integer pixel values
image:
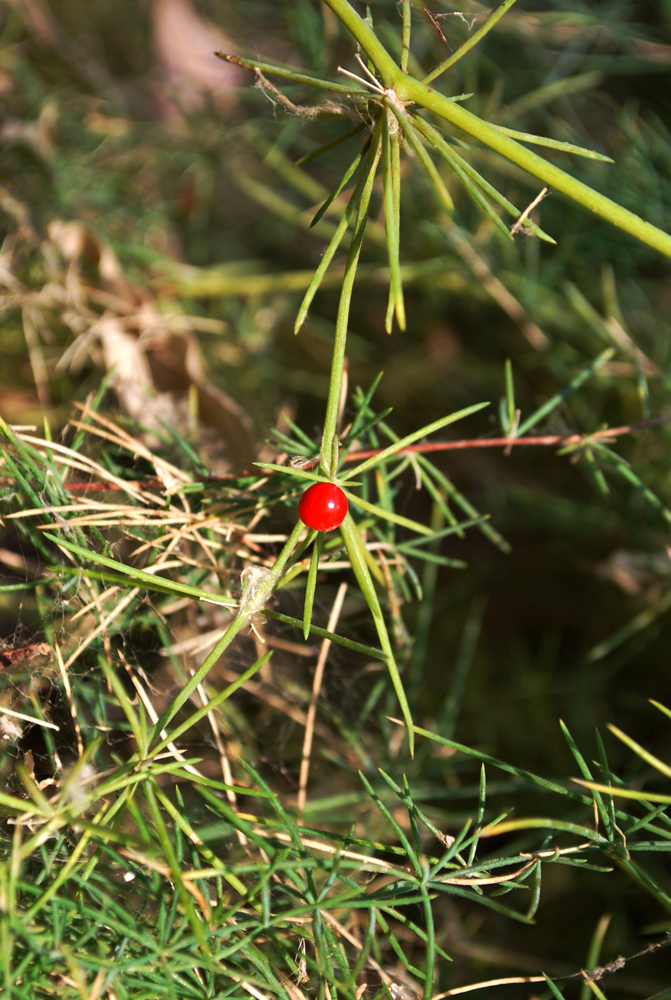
(495, 16)
(555, 991)
(509, 409)
(295, 75)
(152, 580)
(322, 633)
(644, 754)
(565, 147)
(391, 185)
(419, 149)
(349, 173)
(486, 758)
(357, 557)
(574, 384)
(388, 515)
(311, 584)
(328, 146)
(397, 446)
(473, 180)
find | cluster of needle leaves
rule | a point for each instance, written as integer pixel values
(168, 829)
(132, 871)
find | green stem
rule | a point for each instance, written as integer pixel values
(356, 553)
(405, 40)
(409, 89)
(472, 41)
(340, 343)
(413, 90)
(249, 606)
(430, 941)
(367, 39)
(641, 877)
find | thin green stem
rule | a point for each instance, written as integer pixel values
(417, 92)
(250, 604)
(367, 39)
(405, 38)
(356, 553)
(391, 182)
(413, 90)
(340, 343)
(311, 585)
(641, 878)
(398, 445)
(496, 15)
(430, 941)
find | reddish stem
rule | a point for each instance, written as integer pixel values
(359, 456)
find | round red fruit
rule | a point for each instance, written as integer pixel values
(323, 507)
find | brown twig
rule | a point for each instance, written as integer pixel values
(517, 226)
(301, 110)
(544, 440)
(508, 442)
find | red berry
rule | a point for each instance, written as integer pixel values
(323, 507)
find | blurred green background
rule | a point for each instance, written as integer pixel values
(147, 193)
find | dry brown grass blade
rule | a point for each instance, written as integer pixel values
(36, 356)
(386, 867)
(257, 994)
(385, 976)
(377, 865)
(498, 291)
(508, 981)
(102, 627)
(75, 459)
(71, 701)
(187, 878)
(224, 760)
(28, 718)
(489, 880)
(175, 752)
(312, 710)
(169, 474)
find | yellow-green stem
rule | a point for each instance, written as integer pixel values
(416, 92)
